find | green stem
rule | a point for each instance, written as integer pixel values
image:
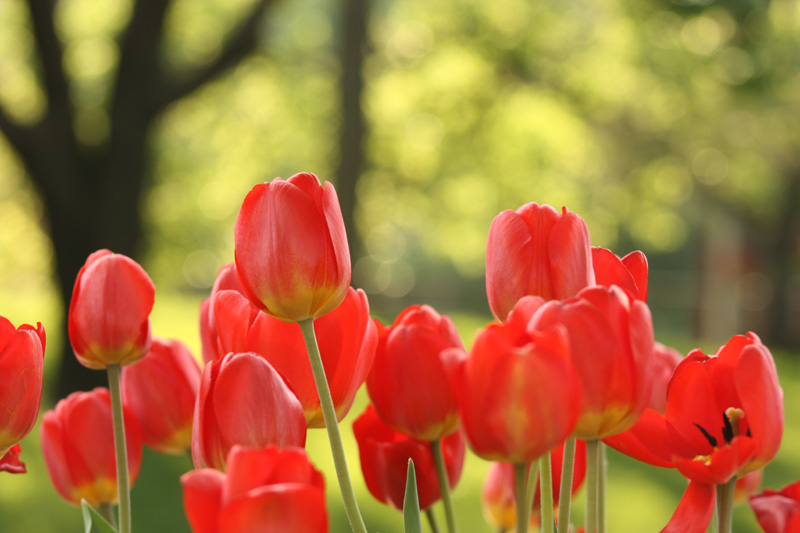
(123, 486)
(565, 492)
(429, 514)
(602, 470)
(106, 510)
(524, 489)
(591, 485)
(444, 485)
(332, 425)
(725, 504)
(546, 492)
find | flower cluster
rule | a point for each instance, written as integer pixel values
(569, 366)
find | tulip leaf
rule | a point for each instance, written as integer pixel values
(411, 516)
(93, 522)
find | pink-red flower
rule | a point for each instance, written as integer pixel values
(611, 344)
(243, 400)
(778, 511)
(21, 365)
(265, 489)
(78, 447)
(384, 455)
(407, 384)
(161, 390)
(497, 495)
(346, 337)
(517, 391)
(630, 272)
(536, 251)
(291, 248)
(109, 312)
(11, 463)
(227, 279)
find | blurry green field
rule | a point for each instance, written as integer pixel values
(640, 498)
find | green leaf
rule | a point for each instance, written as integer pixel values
(93, 522)
(411, 516)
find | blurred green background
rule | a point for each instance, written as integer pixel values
(670, 127)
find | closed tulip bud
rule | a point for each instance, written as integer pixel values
(265, 489)
(384, 455)
(227, 279)
(161, 390)
(109, 313)
(535, 251)
(21, 364)
(78, 447)
(243, 400)
(291, 248)
(408, 384)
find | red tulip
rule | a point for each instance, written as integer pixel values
(161, 390)
(497, 496)
(611, 341)
(109, 312)
(536, 251)
(10, 461)
(346, 337)
(291, 248)
(630, 272)
(384, 457)
(227, 279)
(778, 511)
(518, 394)
(21, 364)
(243, 400)
(78, 447)
(407, 384)
(265, 489)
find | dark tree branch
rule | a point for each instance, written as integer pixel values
(242, 43)
(18, 136)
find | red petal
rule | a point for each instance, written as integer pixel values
(694, 510)
(647, 441)
(202, 496)
(570, 256)
(636, 263)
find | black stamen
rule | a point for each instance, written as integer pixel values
(711, 440)
(727, 429)
(748, 433)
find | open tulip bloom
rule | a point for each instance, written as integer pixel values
(287, 343)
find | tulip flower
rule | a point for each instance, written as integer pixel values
(11, 463)
(21, 364)
(778, 511)
(347, 338)
(611, 342)
(517, 391)
(227, 279)
(243, 400)
(265, 489)
(161, 390)
(78, 447)
(109, 312)
(407, 384)
(497, 495)
(291, 248)
(384, 455)
(538, 252)
(630, 272)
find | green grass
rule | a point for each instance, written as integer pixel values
(640, 497)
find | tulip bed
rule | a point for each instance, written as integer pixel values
(570, 354)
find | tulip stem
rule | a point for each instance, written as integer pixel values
(725, 494)
(602, 468)
(444, 485)
(106, 510)
(591, 485)
(429, 514)
(546, 492)
(565, 491)
(332, 426)
(524, 489)
(120, 449)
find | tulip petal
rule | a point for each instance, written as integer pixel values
(646, 441)
(570, 256)
(636, 263)
(285, 507)
(202, 498)
(694, 511)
